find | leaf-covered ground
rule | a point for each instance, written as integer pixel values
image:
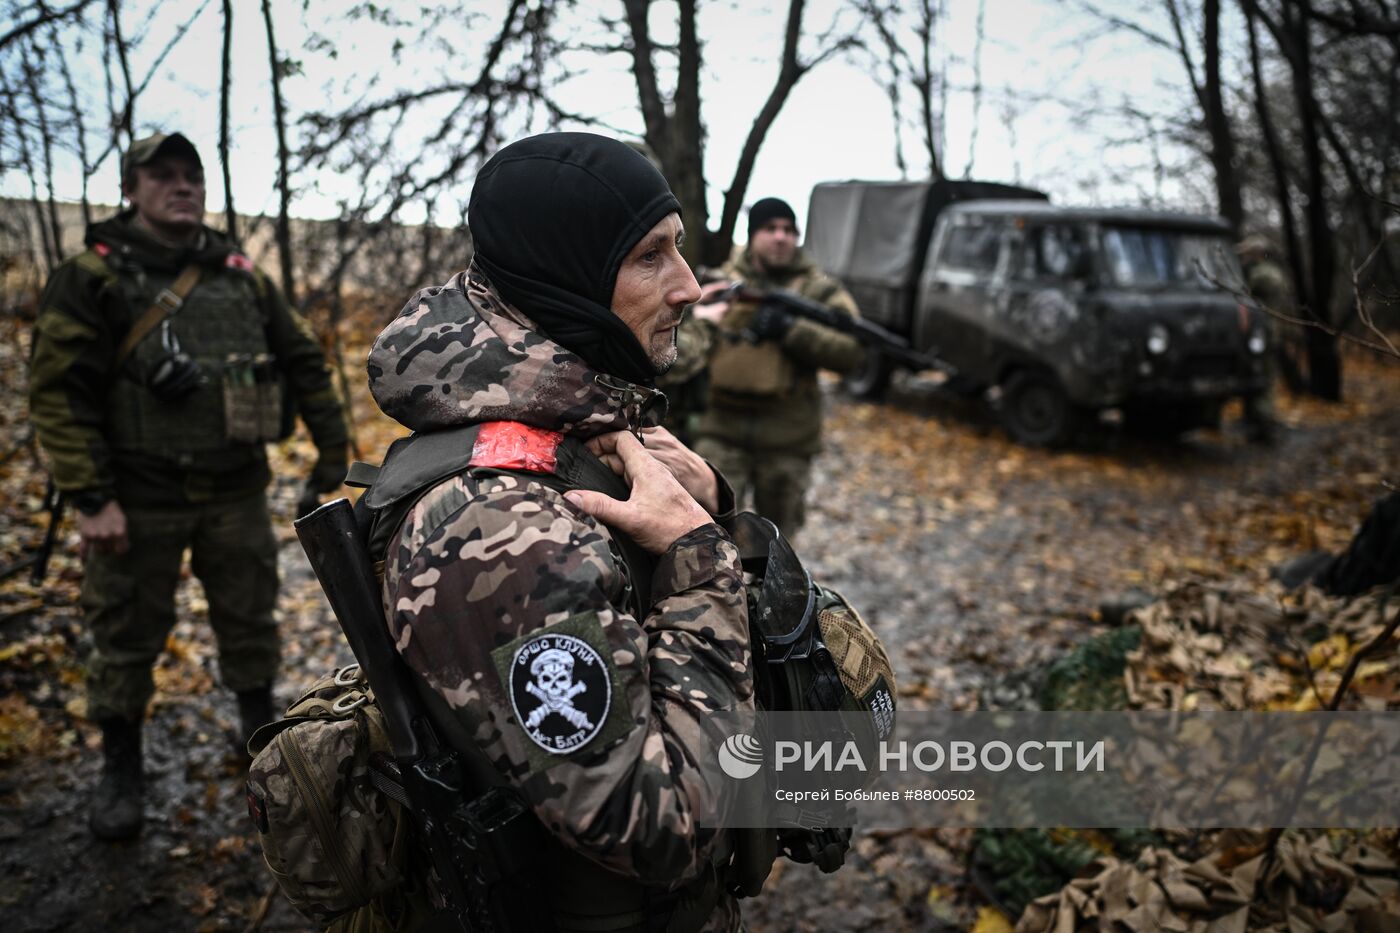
(974, 558)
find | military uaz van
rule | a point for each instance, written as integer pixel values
(1065, 312)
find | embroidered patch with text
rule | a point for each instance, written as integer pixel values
(564, 690)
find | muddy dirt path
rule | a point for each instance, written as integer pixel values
(971, 556)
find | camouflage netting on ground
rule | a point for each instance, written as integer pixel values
(1230, 648)
(1312, 885)
(1213, 646)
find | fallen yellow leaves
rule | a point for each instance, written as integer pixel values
(991, 920)
(20, 727)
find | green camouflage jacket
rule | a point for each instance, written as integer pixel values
(1269, 283)
(789, 421)
(85, 312)
(512, 605)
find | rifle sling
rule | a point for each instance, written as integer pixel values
(166, 304)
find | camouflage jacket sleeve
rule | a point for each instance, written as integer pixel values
(818, 346)
(75, 335)
(489, 573)
(290, 339)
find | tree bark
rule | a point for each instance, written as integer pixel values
(1278, 168)
(1222, 140)
(127, 119)
(225, 84)
(685, 164)
(1324, 363)
(927, 18)
(284, 191)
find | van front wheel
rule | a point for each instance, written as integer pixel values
(1035, 410)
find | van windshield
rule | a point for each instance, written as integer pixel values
(1144, 256)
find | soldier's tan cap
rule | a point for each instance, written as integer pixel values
(147, 148)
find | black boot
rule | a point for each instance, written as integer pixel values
(254, 710)
(117, 803)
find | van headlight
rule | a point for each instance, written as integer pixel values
(1258, 342)
(1158, 339)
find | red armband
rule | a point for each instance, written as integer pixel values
(510, 445)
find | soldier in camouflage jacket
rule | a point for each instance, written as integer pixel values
(511, 600)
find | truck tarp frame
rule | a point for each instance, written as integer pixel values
(877, 233)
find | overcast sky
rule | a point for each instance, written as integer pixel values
(1043, 62)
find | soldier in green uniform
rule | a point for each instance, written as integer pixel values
(160, 360)
(763, 422)
(1268, 283)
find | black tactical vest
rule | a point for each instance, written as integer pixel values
(222, 316)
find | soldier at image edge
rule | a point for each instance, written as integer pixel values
(162, 362)
(586, 676)
(762, 423)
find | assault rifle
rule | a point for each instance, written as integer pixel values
(481, 844)
(38, 562)
(871, 335)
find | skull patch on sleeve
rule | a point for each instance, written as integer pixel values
(560, 688)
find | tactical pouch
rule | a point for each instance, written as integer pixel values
(742, 371)
(253, 399)
(860, 660)
(333, 840)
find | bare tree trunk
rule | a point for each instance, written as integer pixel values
(127, 119)
(26, 161)
(36, 96)
(1287, 222)
(225, 83)
(75, 111)
(685, 163)
(284, 191)
(1324, 363)
(1222, 140)
(928, 18)
(337, 314)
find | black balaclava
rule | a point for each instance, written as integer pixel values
(552, 217)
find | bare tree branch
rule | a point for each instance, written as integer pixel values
(976, 87)
(284, 184)
(127, 118)
(225, 85)
(790, 71)
(45, 17)
(1358, 24)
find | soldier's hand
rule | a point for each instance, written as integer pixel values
(659, 510)
(771, 322)
(103, 532)
(708, 308)
(688, 467)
